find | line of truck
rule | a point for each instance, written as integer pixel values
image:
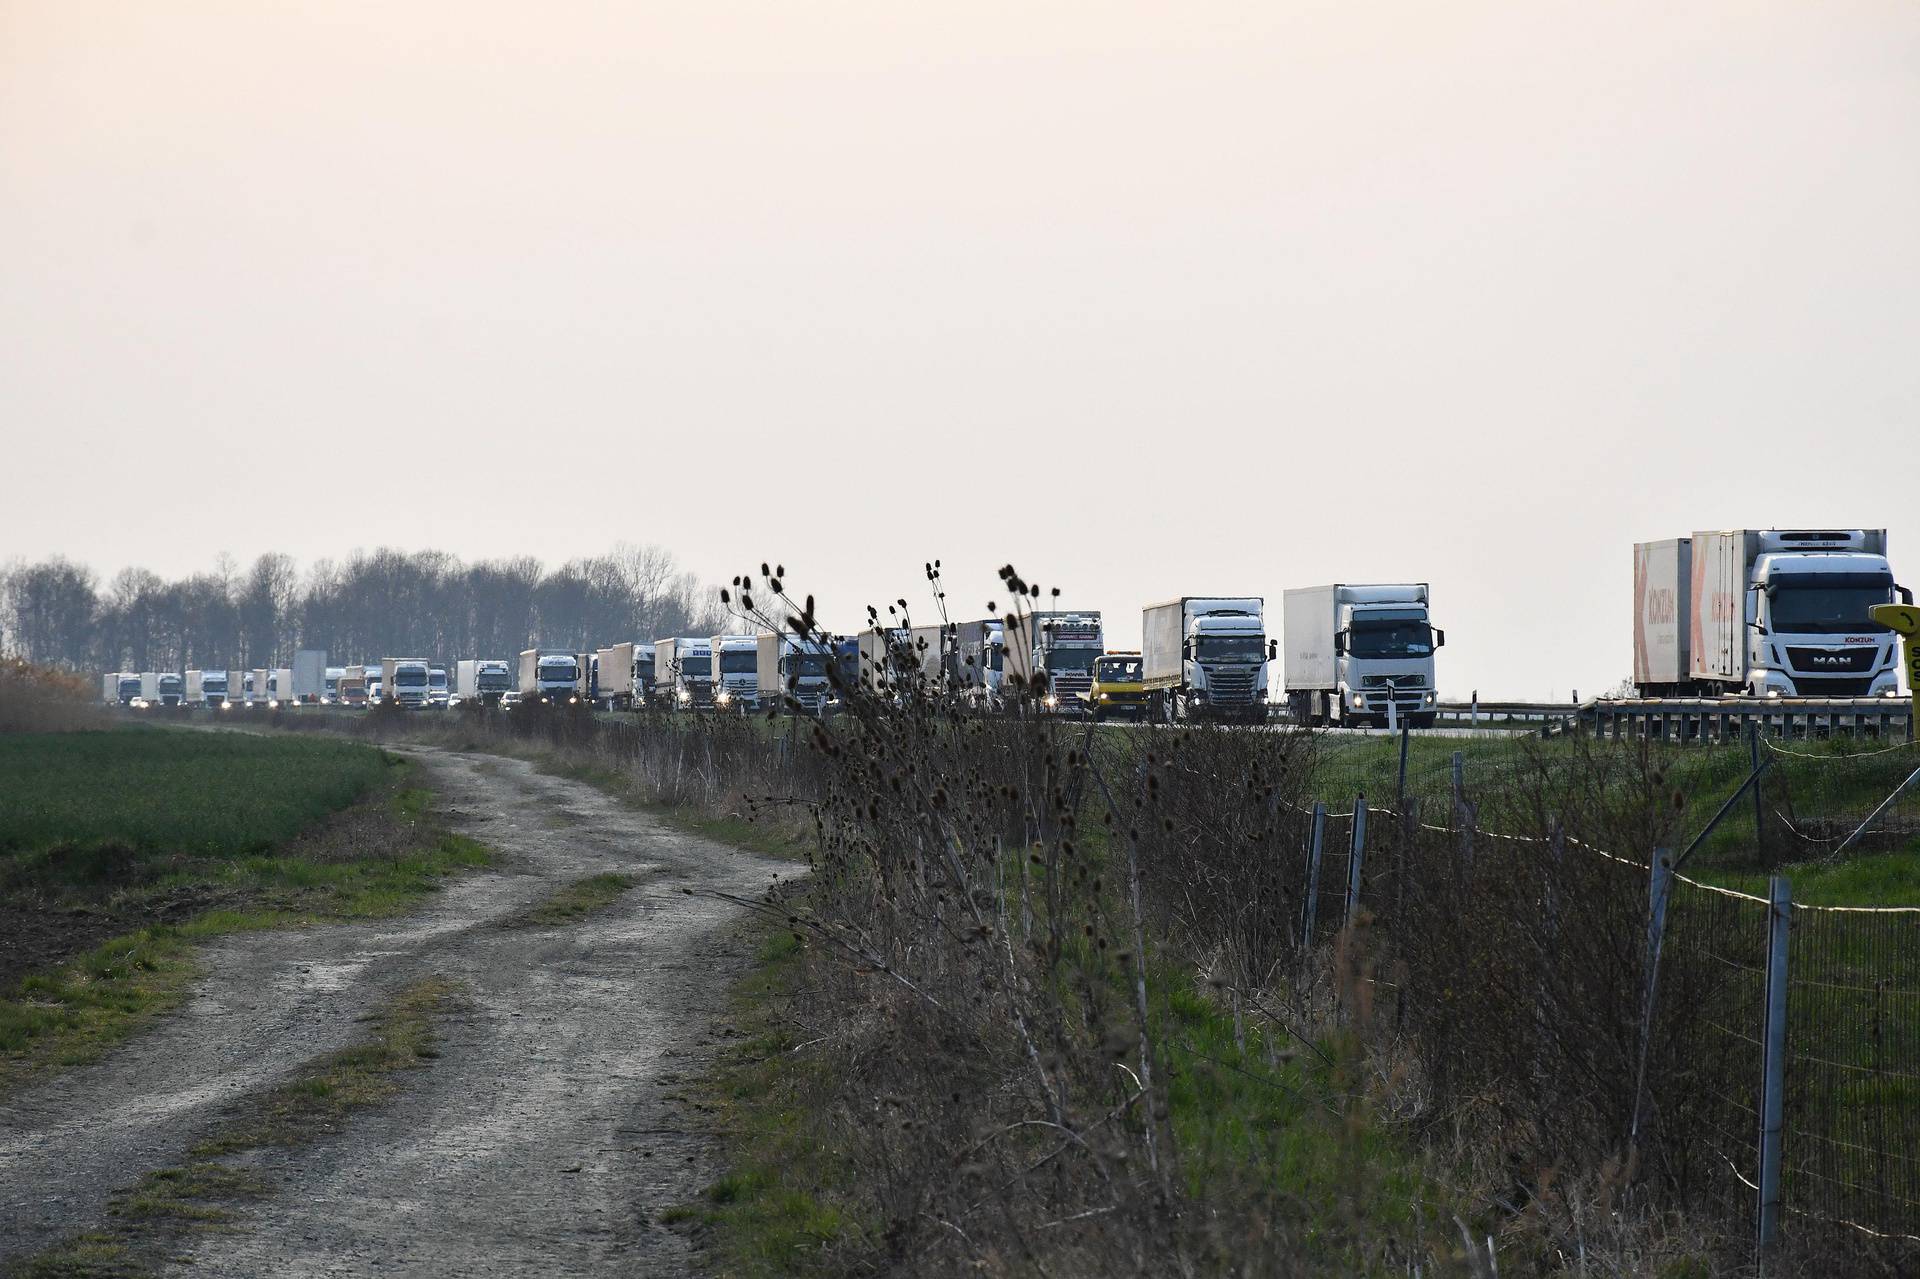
(1744, 612)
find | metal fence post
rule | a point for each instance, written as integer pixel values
(1459, 777)
(1356, 851)
(1313, 875)
(1659, 886)
(1774, 1057)
(1759, 809)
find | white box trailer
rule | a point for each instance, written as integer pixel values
(887, 659)
(309, 675)
(404, 681)
(1663, 616)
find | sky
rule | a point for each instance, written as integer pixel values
(1146, 299)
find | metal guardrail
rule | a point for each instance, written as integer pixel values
(1711, 719)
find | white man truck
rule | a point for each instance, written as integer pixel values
(1359, 655)
(1205, 657)
(405, 681)
(1052, 656)
(685, 669)
(122, 688)
(736, 672)
(481, 680)
(1764, 613)
(551, 677)
(791, 671)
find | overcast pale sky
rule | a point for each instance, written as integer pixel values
(1150, 299)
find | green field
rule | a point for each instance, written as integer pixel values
(121, 851)
(153, 792)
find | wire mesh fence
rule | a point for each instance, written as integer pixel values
(1517, 899)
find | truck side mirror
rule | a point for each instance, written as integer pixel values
(1339, 641)
(1439, 639)
(1186, 650)
(1906, 596)
(1273, 649)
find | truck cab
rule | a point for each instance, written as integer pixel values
(126, 689)
(1361, 654)
(437, 691)
(1808, 632)
(331, 691)
(556, 679)
(172, 689)
(1226, 658)
(410, 683)
(491, 680)
(643, 673)
(736, 672)
(1118, 689)
(351, 691)
(213, 689)
(688, 673)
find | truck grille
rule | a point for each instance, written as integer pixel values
(1230, 688)
(1413, 679)
(1817, 686)
(1833, 661)
(1072, 683)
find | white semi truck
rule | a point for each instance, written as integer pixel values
(888, 662)
(684, 670)
(481, 680)
(405, 681)
(1764, 613)
(1205, 657)
(552, 677)
(736, 672)
(121, 688)
(625, 676)
(439, 692)
(207, 688)
(789, 670)
(980, 657)
(1360, 654)
(1052, 654)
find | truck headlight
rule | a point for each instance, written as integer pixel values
(686, 695)
(573, 701)
(1359, 702)
(1052, 700)
(725, 697)
(1773, 692)
(1430, 698)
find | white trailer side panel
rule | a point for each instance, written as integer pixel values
(1662, 611)
(1162, 630)
(1309, 616)
(1719, 606)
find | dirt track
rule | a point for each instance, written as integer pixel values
(547, 1137)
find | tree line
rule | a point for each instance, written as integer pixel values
(370, 605)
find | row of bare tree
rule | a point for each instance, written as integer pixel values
(369, 605)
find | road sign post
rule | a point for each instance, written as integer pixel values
(1905, 619)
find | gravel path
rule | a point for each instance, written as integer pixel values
(546, 1138)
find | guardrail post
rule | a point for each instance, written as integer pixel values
(1659, 886)
(1356, 853)
(1773, 1041)
(1474, 720)
(1314, 841)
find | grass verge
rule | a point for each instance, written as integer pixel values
(153, 1218)
(573, 903)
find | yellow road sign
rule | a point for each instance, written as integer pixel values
(1905, 619)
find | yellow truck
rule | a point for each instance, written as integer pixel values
(1118, 690)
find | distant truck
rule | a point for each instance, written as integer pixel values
(332, 695)
(1764, 613)
(1051, 655)
(351, 690)
(979, 657)
(736, 672)
(551, 677)
(625, 675)
(1205, 657)
(438, 693)
(481, 680)
(308, 685)
(789, 670)
(684, 667)
(207, 688)
(122, 688)
(1360, 654)
(888, 662)
(404, 680)
(162, 688)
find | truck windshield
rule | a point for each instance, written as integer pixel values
(1119, 670)
(739, 663)
(1072, 659)
(696, 666)
(129, 687)
(168, 683)
(1816, 604)
(212, 684)
(566, 672)
(494, 681)
(1390, 639)
(1230, 648)
(409, 676)
(437, 679)
(807, 665)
